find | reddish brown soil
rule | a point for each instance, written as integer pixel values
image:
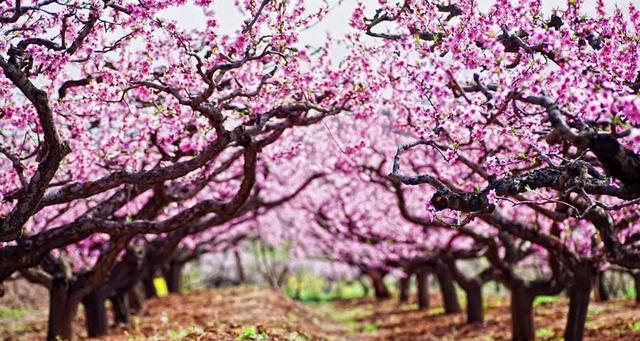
(237, 313)
(614, 320)
(247, 313)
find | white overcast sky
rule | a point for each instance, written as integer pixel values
(336, 23)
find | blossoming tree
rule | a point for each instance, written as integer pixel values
(530, 123)
(116, 123)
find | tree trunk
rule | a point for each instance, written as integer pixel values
(96, 320)
(403, 288)
(475, 310)
(603, 293)
(61, 311)
(173, 276)
(448, 289)
(136, 299)
(379, 288)
(636, 286)
(578, 305)
(120, 306)
(149, 287)
(422, 280)
(239, 267)
(522, 314)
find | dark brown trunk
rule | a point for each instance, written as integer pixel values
(149, 287)
(422, 281)
(448, 289)
(173, 276)
(473, 290)
(95, 313)
(239, 267)
(379, 288)
(475, 311)
(61, 311)
(522, 328)
(578, 305)
(636, 286)
(403, 288)
(135, 297)
(120, 306)
(603, 292)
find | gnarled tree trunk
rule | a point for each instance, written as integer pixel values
(475, 311)
(522, 327)
(136, 299)
(473, 290)
(173, 275)
(379, 288)
(601, 285)
(422, 280)
(95, 312)
(448, 289)
(149, 287)
(120, 306)
(62, 311)
(578, 304)
(636, 285)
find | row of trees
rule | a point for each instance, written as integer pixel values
(132, 146)
(519, 125)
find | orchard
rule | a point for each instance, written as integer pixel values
(320, 170)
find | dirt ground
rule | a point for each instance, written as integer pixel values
(249, 313)
(375, 321)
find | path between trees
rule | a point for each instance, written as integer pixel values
(249, 313)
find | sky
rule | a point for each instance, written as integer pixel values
(337, 22)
